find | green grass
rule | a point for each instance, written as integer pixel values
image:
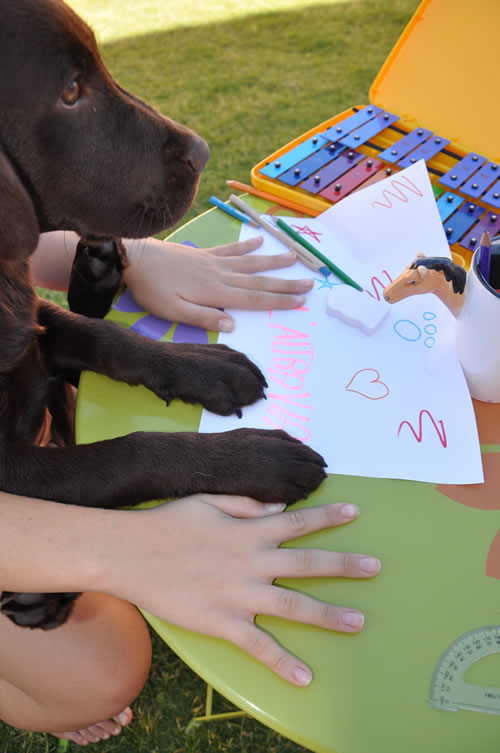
(254, 82)
(248, 75)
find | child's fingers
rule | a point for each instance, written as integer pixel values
(205, 317)
(241, 507)
(259, 262)
(318, 563)
(238, 248)
(300, 521)
(266, 650)
(296, 606)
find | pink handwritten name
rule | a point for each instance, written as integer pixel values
(291, 359)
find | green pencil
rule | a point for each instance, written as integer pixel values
(342, 275)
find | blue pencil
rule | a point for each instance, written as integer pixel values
(233, 212)
(485, 255)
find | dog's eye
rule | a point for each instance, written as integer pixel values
(72, 93)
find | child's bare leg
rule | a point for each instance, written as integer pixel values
(78, 675)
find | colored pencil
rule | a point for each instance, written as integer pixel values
(485, 255)
(327, 262)
(233, 212)
(270, 197)
(309, 260)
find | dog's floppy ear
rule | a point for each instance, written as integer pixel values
(19, 231)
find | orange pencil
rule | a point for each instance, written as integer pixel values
(270, 197)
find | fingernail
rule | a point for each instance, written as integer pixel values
(122, 717)
(353, 619)
(349, 511)
(275, 506)
(116, 730)
(302, 676)
(298, 300)
(225, 325)
(369, 565)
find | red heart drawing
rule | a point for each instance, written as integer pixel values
(368, 387)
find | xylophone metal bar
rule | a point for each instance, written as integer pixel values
(404, 146)
(352, 179)
(302, 170)
(426, 151)
(332, 171)
(351, 123)
(463, 220)
(369, 130)
(460, 172)
(490, 222)
(492, 196)
(480, 181)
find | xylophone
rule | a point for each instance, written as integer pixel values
(366, 144)
(440, 78)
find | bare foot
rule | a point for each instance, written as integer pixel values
(99, 731)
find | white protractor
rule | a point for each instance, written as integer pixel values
(448, 689)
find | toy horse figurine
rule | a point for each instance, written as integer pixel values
(476, 306)
(430, 274)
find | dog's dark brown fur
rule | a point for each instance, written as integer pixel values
(77, 152)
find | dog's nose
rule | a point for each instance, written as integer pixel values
(197, 154)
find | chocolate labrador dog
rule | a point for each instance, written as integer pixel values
(78, 152)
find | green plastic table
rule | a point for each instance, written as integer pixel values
(433, 602)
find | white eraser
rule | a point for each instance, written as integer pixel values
(356, 308)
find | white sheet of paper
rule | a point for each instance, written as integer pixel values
(394, 404)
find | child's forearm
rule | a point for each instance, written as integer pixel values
(52, 261)
(50, 547)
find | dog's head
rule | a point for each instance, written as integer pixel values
(78, 152)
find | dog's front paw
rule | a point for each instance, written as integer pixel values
(270, 466)
(45, 611)
(220, 379)
(282, 469)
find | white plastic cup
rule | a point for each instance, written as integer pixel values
(478, 336)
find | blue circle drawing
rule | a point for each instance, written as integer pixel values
(411, 332)
(416, 330)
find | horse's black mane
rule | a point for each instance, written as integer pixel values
(453, 273)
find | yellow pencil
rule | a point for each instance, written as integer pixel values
(270, 197)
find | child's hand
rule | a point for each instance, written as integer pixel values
(191, 285)
(208, 563)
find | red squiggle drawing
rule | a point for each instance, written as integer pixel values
(400, 196)
(418, 436)
(376, 280)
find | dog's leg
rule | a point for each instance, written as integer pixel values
(96, 277)
(220, 379)
(268, 465)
